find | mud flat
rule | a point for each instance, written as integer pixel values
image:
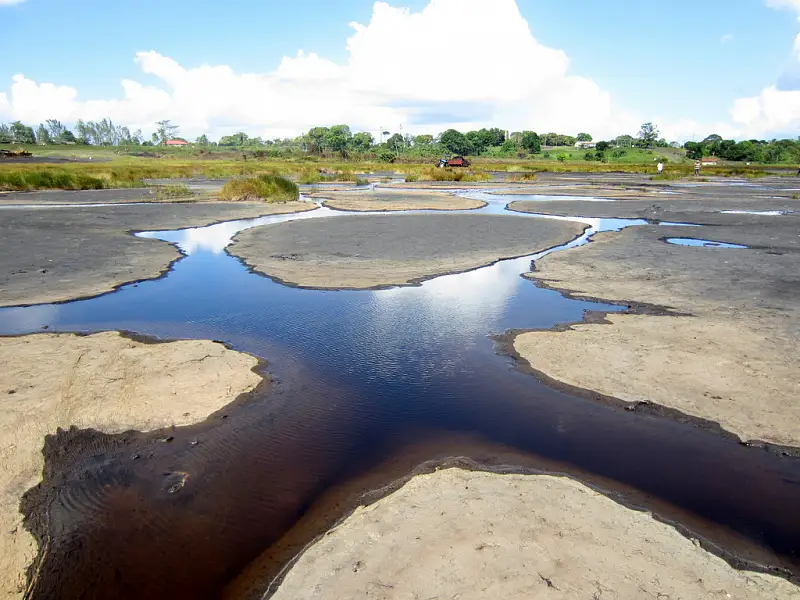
(732, 358)
(57, 254)
(389, 200)
(362, 252)
(462, 534)
(106, 382)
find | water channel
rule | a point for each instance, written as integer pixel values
(360, 375)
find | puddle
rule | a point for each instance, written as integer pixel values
(358, 374)
(769, 213)
(551, 198)
(679, 241)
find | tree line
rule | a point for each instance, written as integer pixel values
(774, 151)
(94, 133)
(341, 141)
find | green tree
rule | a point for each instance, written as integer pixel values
(583, 137)
(648, 134)
(5, 134)
(423, 140)
(238, 139)
(694, 150)
(55, 130)
(166, 130)
(362, 141)
(603, 146)
(202, 140)
(42, 136)
(531, 142)
(22, 134)
(396, 142)
(455, 142)
(316, 139)
(338, 138)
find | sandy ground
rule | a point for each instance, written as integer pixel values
(369, 251)
(56, 254)
(735, 361)
(102, 381)
(388, 200)
(462, 534)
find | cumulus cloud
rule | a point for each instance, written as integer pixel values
(10, 2)
(790, 4)
(777, 107)
(728, 37)
(402, 68)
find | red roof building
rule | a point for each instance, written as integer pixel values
(176, 142)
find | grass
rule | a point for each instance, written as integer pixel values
(430, 173)
(25, 180)
(269, 188)
(111, 167)
(523, 177)
(173, 192)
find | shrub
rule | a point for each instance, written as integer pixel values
(387, 157)
(270, 188)
(170, 192)
(561, 157)
(524, 177)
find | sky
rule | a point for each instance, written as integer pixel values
(276, 68)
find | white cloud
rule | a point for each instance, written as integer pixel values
(10, 2)
(773, 109)
(728, 37)
(790, 4)
(403, 67)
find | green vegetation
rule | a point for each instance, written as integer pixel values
(448, 174)
(270, 188)
(173, 192)
(760, 151)
(37, 179)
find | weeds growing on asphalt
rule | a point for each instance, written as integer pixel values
(173, 192)
(269, 188)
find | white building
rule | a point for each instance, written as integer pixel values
(581, 145)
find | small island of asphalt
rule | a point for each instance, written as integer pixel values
(360, 252)
(58, 254)
(732, 357)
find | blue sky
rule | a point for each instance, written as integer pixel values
(673, 61)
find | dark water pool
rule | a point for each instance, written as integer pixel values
(358, 373)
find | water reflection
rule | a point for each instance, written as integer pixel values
(701, 243)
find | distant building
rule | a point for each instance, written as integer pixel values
(710, 161)
(581, 145)
(176, 142)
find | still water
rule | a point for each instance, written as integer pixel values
(358, 369)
